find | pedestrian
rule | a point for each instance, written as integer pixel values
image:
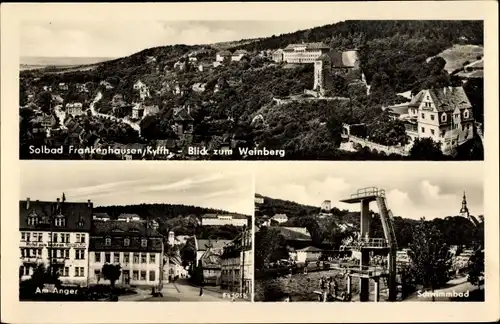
(201, 291)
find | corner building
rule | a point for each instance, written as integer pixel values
(58, 229)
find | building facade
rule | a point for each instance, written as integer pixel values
(135, 246)
(326, 205)
(280, 218)
(56, 234)
(303, 53)
(237, 264)
(221, 220)
(74, 108)
(444, 115)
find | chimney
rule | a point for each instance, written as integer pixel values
(89, 204)
(28, 203)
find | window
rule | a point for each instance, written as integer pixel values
(65, 272)
(466, 114)
(143, 275)
(135, 275)
(457, 116)
(423, 130)
(79, 272)
(432, 117)
(60, 221)
(33, 220)
(443, 117)
(35, 237)
(432, 131)
(116, 257)
(143, 257)
(152, 276)
(97, 273)
(126, 257)
(80, 238)
(24, 271)
(144, 243)
(66, 253)
(443, 133)
(25, 236)
(79, 254)
(126, 242)
(23, 253)
(423, 116)
(55, 238)
(107, 257)
(152, 258)
(136, 257)
(108, 241)
(97, 256)
(65, 238)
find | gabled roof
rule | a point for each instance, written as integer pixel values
(182, 114)
(48, 210)
(210, 259)
(224, 53)
(239, 52)
(445, 99)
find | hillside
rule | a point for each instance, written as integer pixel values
(182, 219)
(459, 55)
(331, 230)
(233, 104)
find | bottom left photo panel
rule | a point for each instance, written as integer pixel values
(114, 231)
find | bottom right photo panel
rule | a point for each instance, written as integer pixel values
(372, 232)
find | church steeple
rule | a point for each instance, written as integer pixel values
(464, 211)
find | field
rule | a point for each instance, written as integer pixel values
(457, 55)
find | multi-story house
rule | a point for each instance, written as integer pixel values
(135, 246)
(238, 55)
(142, 88)
(326, 205)
(304, 53)
(74, 108)
(56, 234)
(278, 56)
(444, 115)
(222, 55)
(224, 219)
(237, 264)
(280, 218)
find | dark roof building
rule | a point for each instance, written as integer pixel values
(445, 99)
(124, 236)
(59, 216)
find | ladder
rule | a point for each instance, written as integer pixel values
(387, 221)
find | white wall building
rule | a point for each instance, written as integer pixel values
(303, 53)
(224, 219)
(74, 108)
(61, 229)
(280, 218)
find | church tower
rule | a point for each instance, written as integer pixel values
(464, 211)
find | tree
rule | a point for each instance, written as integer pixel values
(269, 246)
(188, 253)
(476, 268)
(44, 100)
(111, 272)
(430, 263)
(426, 149)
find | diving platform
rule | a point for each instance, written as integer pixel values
(365, 194)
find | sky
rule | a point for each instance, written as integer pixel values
(122, 38)
(120, 183)
(413, 190)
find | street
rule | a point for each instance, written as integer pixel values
(182, 290)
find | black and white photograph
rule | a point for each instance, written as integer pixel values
(370, 234)
(251, 90)
(152, 232)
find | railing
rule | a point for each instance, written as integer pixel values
(370, 271)
(369, 191)
(369, 243)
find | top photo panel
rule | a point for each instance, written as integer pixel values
(251, 90)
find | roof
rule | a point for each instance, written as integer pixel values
(224, 53)
(291, 235)
(120, 228)
(445, 99)
(278, 51)
(182, 114)
(239, 52)
(310, 249)
(280, 216)
(74, 212)
(309, 46)
(210, 259)
(125, 216)
(234, 216)
(400, 109)
(204, 244)
(340, 59)
(101, 215)
(473, 74)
